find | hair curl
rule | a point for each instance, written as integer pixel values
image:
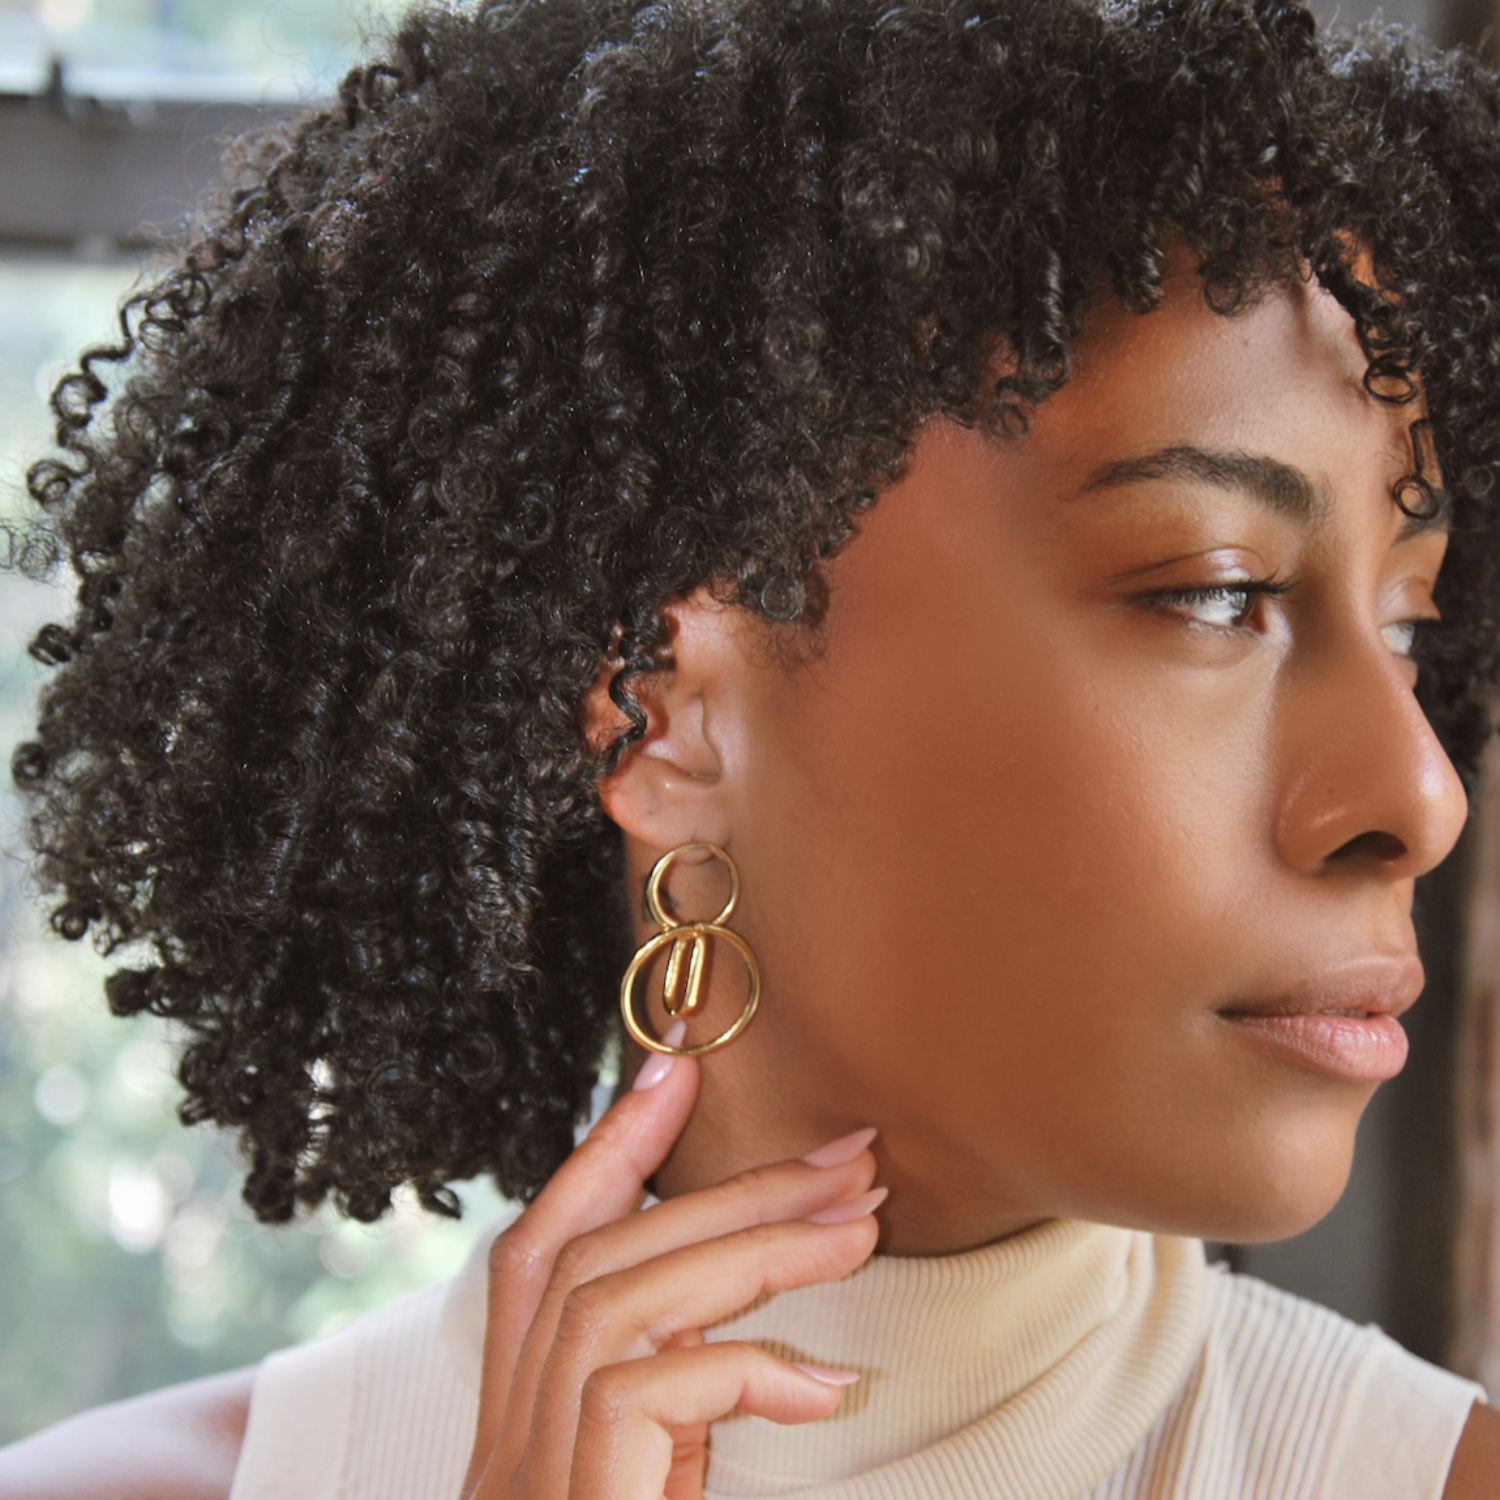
(565, 307)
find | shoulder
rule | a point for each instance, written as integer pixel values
(181, 1443)
(1346, 1406)
(383, 1409)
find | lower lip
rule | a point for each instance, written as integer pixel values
(1362, 1049)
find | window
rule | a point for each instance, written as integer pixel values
(126, 1258)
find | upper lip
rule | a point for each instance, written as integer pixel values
(1386, 985)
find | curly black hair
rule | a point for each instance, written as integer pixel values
(561, 309)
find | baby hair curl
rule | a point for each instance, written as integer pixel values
(563, 308)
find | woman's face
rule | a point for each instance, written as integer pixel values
(1079, 857)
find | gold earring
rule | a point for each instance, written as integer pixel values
(682, 985)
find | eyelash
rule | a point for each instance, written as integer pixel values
(1248, 589)
(1251, 589)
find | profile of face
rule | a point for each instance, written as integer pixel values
(1078, 847)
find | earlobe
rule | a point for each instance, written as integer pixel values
(669, 786)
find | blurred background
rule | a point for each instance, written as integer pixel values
(126, 1258)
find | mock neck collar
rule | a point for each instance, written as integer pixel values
(1032, 1366)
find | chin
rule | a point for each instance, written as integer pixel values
(1266, 1178)
(1260, 1223)
(1279, 1193)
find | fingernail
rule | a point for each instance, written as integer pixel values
(845, 1149)
(853, 1208)
(826, 1376)
(658, 1065)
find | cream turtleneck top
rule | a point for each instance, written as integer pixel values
(1073, 1362)
(1031, 1367)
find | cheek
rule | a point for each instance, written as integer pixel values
(1066, 834)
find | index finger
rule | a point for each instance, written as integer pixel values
(603, 1180)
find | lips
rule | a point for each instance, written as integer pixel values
(1343, 1023)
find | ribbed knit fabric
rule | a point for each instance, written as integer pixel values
(1032, 1367)
(378, 1410)
(1073, 1362)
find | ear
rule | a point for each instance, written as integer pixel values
(670, 786)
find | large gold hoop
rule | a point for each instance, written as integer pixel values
(681, 992)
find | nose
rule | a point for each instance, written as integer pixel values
(1367, 785)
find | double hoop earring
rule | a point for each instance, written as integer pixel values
(682, 986)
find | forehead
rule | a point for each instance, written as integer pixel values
(1282, 379)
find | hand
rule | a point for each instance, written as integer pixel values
(597, 1383)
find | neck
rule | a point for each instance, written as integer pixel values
(760, 1107)
(783, 1089)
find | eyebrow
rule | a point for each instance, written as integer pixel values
(1279, 487)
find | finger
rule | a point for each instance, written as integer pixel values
(689, 1442)
(605, 1176)
(602, 1180)
(762, 1195)
(632, 1314)
(632, 1415)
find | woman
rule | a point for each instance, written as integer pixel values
(920, 523)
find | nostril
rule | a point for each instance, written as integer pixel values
(1385, 848)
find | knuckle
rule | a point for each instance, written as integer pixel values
(512, 1258)
(773, 1232)
(757, 1187)
(607, 1398)
(587, 1310)
(577, 1262)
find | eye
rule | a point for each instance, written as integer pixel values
(1401, 636)
(1221, 606)
(1227, 607)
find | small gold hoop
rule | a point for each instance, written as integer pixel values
(659, 873)
(690, 939)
